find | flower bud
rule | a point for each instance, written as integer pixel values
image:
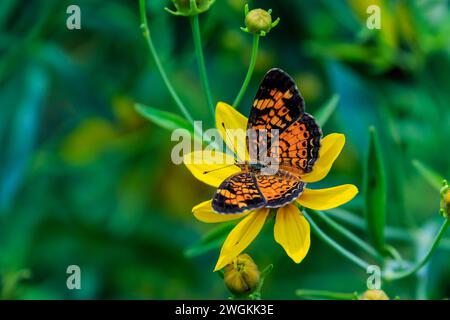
(242, 276)
(190, 7)
(374, 295)
(259, 21)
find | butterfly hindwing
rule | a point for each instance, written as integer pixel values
(280, 188)
(238, 193)
(298, 146)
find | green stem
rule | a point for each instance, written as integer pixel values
(251, 67)
(314, 294)
(201, 61)
(349, 235)
(419, 264)
(146, 33)
(323, 236)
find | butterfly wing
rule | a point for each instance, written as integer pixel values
(298, 146)
(279, 105)
(238, 193)
(280, 188)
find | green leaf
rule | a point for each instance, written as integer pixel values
(431, 176)
(325, 111)
(164, 119)
(375, 193)
(327, 295)
(210, 241)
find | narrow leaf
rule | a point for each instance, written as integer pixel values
(325, 112)
(163, 119)
(432, 177)
(375, 193)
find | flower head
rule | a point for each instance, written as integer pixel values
(291, 229)
(374, 294)
(242, 275)
(259, 21)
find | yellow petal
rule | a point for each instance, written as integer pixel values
(210, 167)
(241, 236)
(331, 147)
(205, 213)
(236, 125)
(292, 232)
(324, 199)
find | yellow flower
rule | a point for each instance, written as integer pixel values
(374, 294)
(291, 230)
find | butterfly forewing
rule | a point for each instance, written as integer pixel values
(278, 105)
(238, 193)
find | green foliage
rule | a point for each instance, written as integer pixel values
(86, 180)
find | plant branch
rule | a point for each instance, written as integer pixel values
(251, 67)
(419, 264)
(340, 249)
(146, 33)
(348, 234)
(329, 295)
(195, 26)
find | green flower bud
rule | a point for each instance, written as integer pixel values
(374, 295)
(259, 21)
(190, 7)
(242, 276)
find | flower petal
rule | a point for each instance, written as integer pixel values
(292, 232)
(210, 167)
(331, 147)
(236, 125)
(241, 236)
(205, 213)
(329, 198)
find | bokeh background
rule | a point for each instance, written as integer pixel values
(85, 180)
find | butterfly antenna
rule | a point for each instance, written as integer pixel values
(236, 157)
(212, 170)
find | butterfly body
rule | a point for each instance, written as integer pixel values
(278, 106)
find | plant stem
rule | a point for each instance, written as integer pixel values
(146, 33)
(419, 264)
(349, 235)
(195, 26)
(314, 294)
(251, 67)
(323, 236)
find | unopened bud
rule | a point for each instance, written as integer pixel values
(242, 276)
(259, 21)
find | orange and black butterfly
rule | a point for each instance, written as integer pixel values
(277, 105)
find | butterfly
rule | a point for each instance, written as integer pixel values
(278, 105)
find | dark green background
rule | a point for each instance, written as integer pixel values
(85, 180)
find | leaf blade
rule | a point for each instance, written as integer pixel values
(325, 111)
(375, 193)
(163, 119)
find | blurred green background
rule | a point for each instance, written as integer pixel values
(85, 180)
